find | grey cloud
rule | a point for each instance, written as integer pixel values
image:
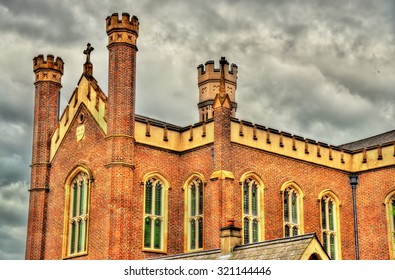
(13, 218)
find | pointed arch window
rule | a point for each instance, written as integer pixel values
(155, 214)
(390, 209)
(252, 216)
(292, 210)
(330, 225)
(195, 214)
(77, 214)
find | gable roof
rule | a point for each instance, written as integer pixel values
(300, 247)
(375, 140)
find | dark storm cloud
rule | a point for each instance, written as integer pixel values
(13, 210)
(44, 20)
(320, 69)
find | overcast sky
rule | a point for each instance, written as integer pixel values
(324, 70)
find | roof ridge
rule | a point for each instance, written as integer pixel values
(276, 241)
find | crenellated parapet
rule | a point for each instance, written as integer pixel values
(49, 70)
(209, 72)
(122, 30)
(209, 78)
(173, 138)
(308, 150)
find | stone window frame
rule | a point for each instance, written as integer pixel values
(291, 187)
(73, 201)
(389, 203)
(163, 217)
(187, 213)
(329, 195)
(260, 207)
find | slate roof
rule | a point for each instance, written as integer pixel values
(288, 248)
(376, 140)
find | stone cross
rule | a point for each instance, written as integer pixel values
(88, 51)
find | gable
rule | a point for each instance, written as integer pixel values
(91, 96)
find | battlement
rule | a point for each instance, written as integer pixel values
(126, 23)
(50, 70)
(208, 72)
(51, 63)
(308, 150)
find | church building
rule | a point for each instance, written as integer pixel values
(107, 183)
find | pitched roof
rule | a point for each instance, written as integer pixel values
(375, 140)
(289, 248)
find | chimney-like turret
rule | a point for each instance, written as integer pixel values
(48, 74)
(209, 79)
(122, 46)
(230, 237)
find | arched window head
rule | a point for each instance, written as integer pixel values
(252, 195)
(329, 226)
(155, 213)
(292, 209)
(194, 220)
(76, 213)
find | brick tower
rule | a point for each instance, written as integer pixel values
(122, 36)
(47, 83)
(209, 84)
(221, 190)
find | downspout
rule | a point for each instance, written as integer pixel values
(354, 182)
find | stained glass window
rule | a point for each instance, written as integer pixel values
(254, 198)
(332, 249)
(77, 229)
(251, 219)
(158, 199)
(147, 232)
(148, 197)
(295, 231)
(254, 230)
(286, 206)
(195, 214)
(193, 234)
(330, 215)
(391, 227)
(329, 231)
(200, 232)
(246, 197)
(246, 231)
(294, 209)
(193, 200)
(323, 217)
(157, 233)
(393, 215)
(287, 231)
(291, 199)
(154, 214)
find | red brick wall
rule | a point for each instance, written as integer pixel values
(275, 170)
(371, 191)
(90, 152)
(176, 168)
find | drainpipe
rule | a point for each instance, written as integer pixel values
(354, 183)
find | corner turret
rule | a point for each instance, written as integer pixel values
(48, 74)
(122, 50)
(209, 79)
